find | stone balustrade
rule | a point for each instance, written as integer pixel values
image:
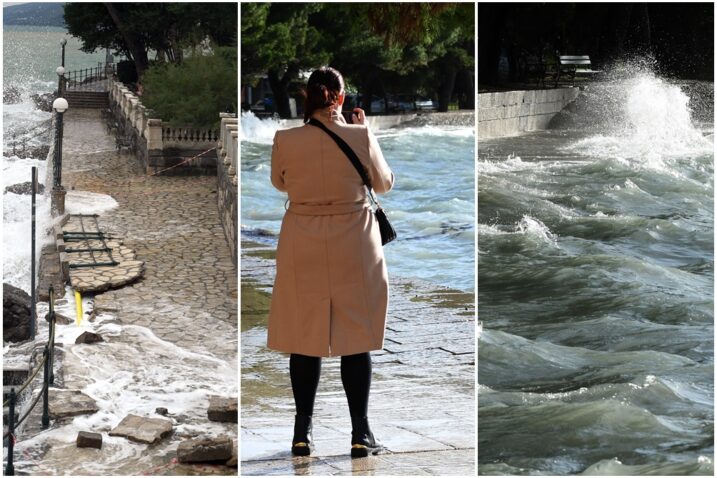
(161, 145)
(227, 179)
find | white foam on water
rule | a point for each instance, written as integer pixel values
(428, 130)
(534, 227)
(17, 225)
(85, 202)
(652, 127)
(133, 371)
(257, 130)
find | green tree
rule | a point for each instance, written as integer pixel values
(135, 29)
(278, 40)
(379, 47)
(195, 91)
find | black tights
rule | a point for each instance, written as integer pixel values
(355, 376)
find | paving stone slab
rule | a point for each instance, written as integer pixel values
(89, 440)
(222, 409)
(142, 429)
(70, 403)
(202, 450)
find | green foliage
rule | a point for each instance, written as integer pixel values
(278, 37)
(165, 28)
(195, 91)
(378, 47)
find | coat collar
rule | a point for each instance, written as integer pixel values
(328, 115)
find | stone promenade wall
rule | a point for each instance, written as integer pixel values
(228, 181)
(157, 144)
(511, 112)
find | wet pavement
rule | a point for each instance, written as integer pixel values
(422, 399)
(170, 339)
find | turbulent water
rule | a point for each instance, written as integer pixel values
(431, 206)
(30, 57)
(595, 288)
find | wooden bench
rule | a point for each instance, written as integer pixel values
(571, 66)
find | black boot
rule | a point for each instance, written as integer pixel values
(301, 444)
(363, 442)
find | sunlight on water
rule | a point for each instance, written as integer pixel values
(431, 205)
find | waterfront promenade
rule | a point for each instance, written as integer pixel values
(170, 339)
(422, 404)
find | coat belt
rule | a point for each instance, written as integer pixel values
(326, 209)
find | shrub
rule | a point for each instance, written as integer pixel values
(194, 92)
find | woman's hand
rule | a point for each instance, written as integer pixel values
(358, 116)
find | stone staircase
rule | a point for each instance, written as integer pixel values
(87, 99)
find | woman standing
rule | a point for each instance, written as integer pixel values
(331, 290)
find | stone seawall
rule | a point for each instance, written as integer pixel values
(511, 112)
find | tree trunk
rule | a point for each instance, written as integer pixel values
(448, 81)
(280, 89)
(133, 42)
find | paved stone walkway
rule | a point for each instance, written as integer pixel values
(422, 400)
(189, 289)
(170, 338)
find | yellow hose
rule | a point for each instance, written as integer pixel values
(78, 306)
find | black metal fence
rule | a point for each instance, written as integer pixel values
(48, 379)
(76, 80)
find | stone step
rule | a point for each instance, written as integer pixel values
(87, 99)
(15, 374)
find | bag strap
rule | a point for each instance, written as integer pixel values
(350, 154)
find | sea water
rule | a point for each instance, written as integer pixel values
(30, 58)
(595, 287)
(431, 205)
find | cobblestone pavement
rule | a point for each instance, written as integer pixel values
(422, 400)
(170, 338)
(189, 289)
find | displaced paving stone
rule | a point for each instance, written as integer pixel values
(61, 319)
(70, 403)
(223, 409)
(142, 429)
(203, 450)
(88, 338)
(89, 440)
(234, 460)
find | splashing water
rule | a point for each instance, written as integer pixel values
(642, 118)
(596, 278)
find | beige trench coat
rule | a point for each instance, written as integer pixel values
(331, 290)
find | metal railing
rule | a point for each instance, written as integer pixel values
(48, 379)
(21, 137)
(78, 78)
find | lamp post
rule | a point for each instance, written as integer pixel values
(58, 192)
(60, 80)
(63, 42)
(61, 70)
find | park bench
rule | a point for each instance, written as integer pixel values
(572, 66)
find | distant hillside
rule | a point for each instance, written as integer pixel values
(39, 14)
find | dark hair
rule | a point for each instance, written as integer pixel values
(322, 90)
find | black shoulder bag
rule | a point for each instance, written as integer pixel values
(388, 234)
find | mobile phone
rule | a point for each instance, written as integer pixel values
(347, 116)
